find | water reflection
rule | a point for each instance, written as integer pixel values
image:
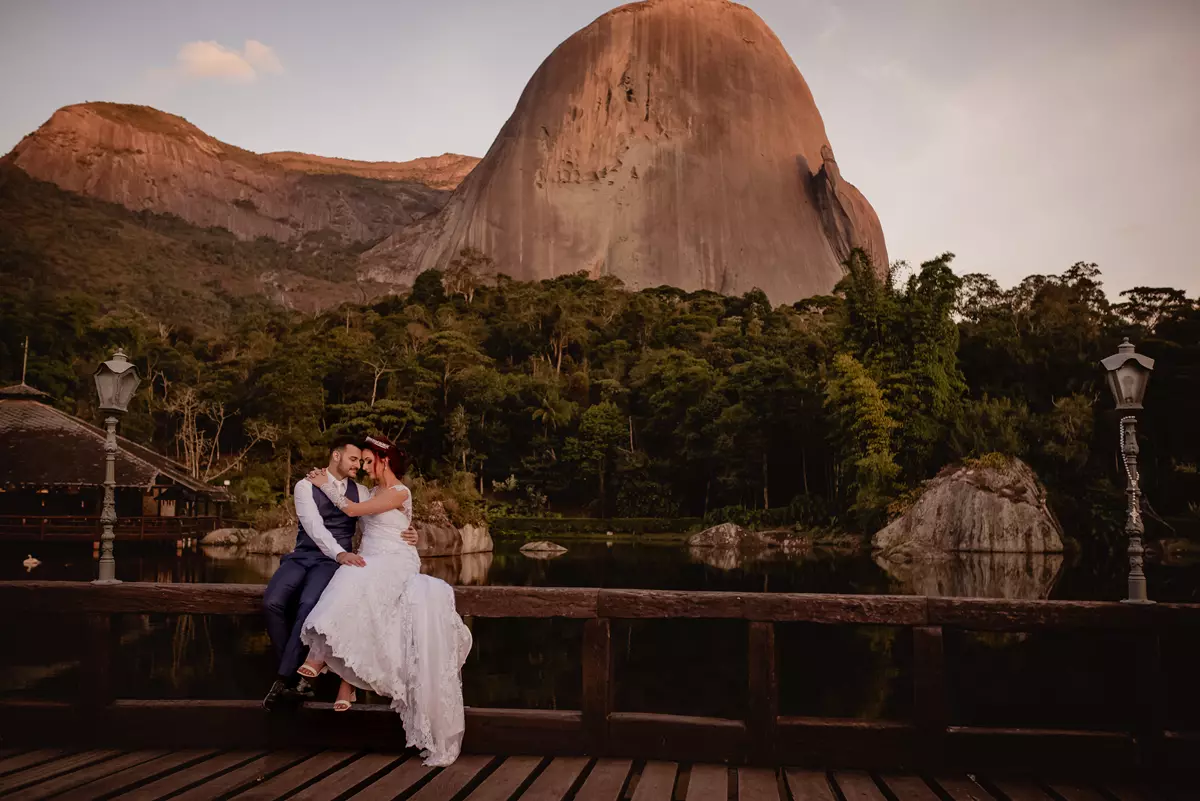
(468, 568)
(648, 563)
(259, 564)
(1014, 576)
(720, 558)
(542, 555)
(749, 558)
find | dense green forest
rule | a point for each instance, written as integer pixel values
(576, 396)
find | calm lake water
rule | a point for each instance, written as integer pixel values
(656, 562)
(677, 666)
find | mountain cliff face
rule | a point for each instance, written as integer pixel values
(145, 159)
(669, 142)
(446, 171)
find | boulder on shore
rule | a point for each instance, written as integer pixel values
(724, 535)
(733, 536)
(447, 540)
(227, 536)
(995, 507)
(277, 541)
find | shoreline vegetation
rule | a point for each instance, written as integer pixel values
(575, 398)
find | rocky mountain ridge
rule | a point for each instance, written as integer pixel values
(146, 159)
(446, 171)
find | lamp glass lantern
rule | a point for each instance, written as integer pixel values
(116, 382)
(1128, 375)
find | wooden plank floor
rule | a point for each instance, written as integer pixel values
(338, 775)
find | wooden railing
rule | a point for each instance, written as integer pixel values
(930, 740)
(81, 527)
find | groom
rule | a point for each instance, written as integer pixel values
(323, 541)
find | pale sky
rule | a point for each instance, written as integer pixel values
(1021, 135)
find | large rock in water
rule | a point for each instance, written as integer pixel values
(722, 535)
(669, 142)
(999, 508)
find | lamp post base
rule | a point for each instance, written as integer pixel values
(1138, 601)
(106, 581)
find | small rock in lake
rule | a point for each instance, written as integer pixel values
(543, 545)
(542, 550)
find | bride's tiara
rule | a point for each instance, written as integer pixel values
(377, 443)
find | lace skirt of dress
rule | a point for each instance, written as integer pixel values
(389, 629)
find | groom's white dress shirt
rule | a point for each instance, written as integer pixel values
(310, 515)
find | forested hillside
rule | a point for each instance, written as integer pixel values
(158, 266)
(577, 396)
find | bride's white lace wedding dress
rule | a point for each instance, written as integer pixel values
(389, 629)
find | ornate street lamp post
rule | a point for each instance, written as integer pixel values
(1128, 374)
(116, 381)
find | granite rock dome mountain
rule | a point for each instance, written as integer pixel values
(669, 142)
(146, 159)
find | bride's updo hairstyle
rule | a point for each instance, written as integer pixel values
(387, 451)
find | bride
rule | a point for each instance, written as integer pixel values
(384, 626)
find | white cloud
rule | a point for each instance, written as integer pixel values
(204, 60)
(262, 57)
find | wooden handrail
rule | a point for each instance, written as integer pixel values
(975, 614)
(930, 739)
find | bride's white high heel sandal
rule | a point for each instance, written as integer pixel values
(307, 671)
(344, 705)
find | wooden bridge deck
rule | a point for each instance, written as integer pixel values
(330, 775)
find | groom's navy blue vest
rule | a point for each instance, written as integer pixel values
(340, 524)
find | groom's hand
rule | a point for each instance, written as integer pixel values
(410, 537)
(347, 558)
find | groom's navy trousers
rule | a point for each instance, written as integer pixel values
(301, 578)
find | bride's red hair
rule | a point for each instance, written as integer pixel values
(386, 450)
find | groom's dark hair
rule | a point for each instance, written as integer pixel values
(340, 443)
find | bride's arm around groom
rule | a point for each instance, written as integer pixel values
(384, 500)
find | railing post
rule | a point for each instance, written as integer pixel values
(96, 665)
(931, 703)
(1151, 698)
(597, 683)
(763, 691)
